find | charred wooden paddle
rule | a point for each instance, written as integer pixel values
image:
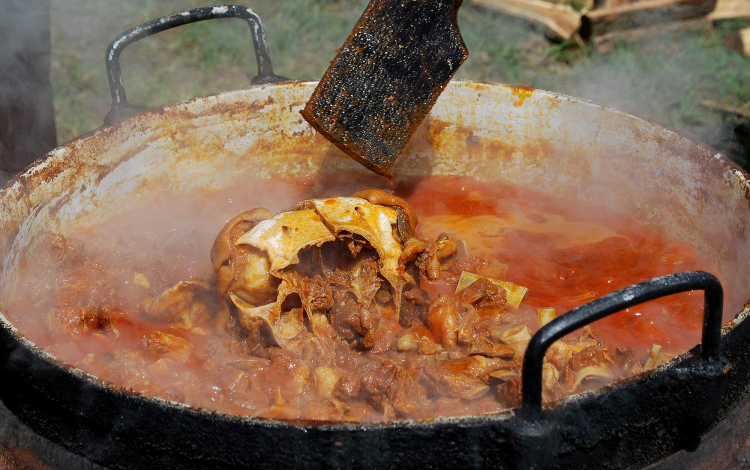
(386, 78)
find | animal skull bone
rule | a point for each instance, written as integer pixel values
(254, 251)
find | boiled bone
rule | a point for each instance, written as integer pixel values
(316, 222)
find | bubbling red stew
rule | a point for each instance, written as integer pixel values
(321, 299)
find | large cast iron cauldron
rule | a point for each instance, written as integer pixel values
(495, 133)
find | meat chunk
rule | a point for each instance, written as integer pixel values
(168, 345)
(345, 316)
(442, 320)
(588, 363)
(474, 293)
(550, 378)
(465, 377)
(375, 384)
(178, 304)
(314, 292)
(348, 386)
(485, 347)
(414, 307)
(474, 331)
(408, 396)
(590, 356)
(626, 362)
(517, 337)
(509, 392)
(429, 261)
(365, 281)
(125, 365)
(380, 330)
(407, 222)
(487, 297)
(80, 320)
(60, 251)
(467, 333)
(512, 294)
(239, 267)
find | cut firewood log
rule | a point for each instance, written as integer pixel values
(584, 5)
(730, 9)
(745, 113)
(560, 22)
(642, 14)
(605, 42)
(739, 41)
(614, 3)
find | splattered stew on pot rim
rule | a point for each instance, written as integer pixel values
(347, 308)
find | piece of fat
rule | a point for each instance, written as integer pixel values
(653, 357)
(514, 293)
(283, 236)
(517, 334)
(546, 315)
(140, 279)
(503, 374)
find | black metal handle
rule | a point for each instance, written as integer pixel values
(531, 380)
(120, 106)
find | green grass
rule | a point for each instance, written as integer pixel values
(664, 80)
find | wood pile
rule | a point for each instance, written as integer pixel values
(606, 21)
(726, 109)
(739, 41)
(731, 9)
(559, 21)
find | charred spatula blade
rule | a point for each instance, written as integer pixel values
(386, 78)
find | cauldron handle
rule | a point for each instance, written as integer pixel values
(531, 380)
(121, 109)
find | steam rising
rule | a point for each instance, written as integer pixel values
(27, 128)
(665, 89)
(663, 79)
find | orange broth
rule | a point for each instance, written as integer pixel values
(565, 251)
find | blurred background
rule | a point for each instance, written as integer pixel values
(668, 76)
